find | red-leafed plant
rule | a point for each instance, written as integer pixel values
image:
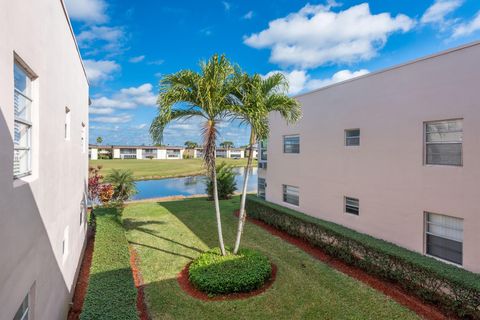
(94, 184)
(105, 193)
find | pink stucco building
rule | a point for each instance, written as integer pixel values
(394, 154)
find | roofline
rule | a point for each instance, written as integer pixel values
(394, 67)
(74, 38)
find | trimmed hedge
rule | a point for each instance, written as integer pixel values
(451, 288)
(216, 274)
(111, 292)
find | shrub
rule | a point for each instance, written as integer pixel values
(216, 274)
(453, 289)
(225, 182)
(123, 184)
(111, 292)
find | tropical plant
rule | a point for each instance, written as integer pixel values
(123, 184)
(258, 96)
(206, 95)
(105, 193)
(227, 144)
(191, 144)
(94, 184)
(226, 184)
(99, 140)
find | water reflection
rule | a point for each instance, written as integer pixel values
(187, 186)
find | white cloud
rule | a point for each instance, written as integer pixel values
(316, 35)
(140, 126)
(248, 15)
(137, 59)
(95, 110)
(300, 81)
(227, 5)
(100, 70)
(127, 98)
(465, 29)
(437, 13)
(121, 118)
(157, 62)
(102, 38)
(90, 11)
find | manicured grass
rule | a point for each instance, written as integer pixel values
(168, 235)
(158, 169)
(111, 292)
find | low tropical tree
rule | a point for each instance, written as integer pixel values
(227, 144)
(191, 144)
(123, 184)
(99, 140)
(226, 183)
(206, 95)
(258, 96)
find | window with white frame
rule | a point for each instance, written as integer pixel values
(352, 137)
(291, 144)
(22, 312)
(291, 194)
(444, 237)
(67, 123)
(22, 137)
(262, 184)
(263, 149)
(352, 206)
(443, 142)
(83, 136)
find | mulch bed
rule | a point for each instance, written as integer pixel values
(138, 280)
(425, 310)
(82, 280)
(186, 285)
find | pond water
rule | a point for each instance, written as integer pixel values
(187, 186)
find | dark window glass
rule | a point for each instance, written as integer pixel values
(291, 144)
(352, 137)
(352, 206)
(291, 195)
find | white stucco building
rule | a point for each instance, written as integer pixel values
(137, 152)
(43, 160)
(393, 154)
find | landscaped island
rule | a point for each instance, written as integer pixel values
(159, 169)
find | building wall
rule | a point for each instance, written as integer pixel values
(139, 153)
(386, 172)
(116, 153)
(37, 211)
(93, 153)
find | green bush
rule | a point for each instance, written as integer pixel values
(451, 288)
(226, 184)
(216, 274)
(111, 292)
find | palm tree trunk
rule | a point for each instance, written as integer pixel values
(243, 215)
(217, 212)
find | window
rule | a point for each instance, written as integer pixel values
(83, 138)
(352, 206)
(22, 96)
(22, 312)
(291, 144)
(352, 137)
(443, 142)
(262, 184)
(67, 124)
(444, 237)
(263, 150)
(291, 195)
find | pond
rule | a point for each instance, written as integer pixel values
(187, 186)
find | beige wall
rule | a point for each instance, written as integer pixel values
(36, 210)
(386, 171)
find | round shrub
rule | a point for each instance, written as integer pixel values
(216, 274)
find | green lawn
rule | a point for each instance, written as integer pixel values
(157, 169)
(168, 235)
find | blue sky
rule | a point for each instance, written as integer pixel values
(128, 45)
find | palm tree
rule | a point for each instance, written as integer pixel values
(205, 95)
(99, 140)
(227, 144)
(191, 144)
(123, 184)
(256, 98)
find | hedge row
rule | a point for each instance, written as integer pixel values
(451, 288)
(111, 292)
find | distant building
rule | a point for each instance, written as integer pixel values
(138, 152)
(393, 154)
(43, 160)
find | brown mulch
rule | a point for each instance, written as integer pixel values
(82, 280)
(421, 308)
(187, 286)
(138, 280)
